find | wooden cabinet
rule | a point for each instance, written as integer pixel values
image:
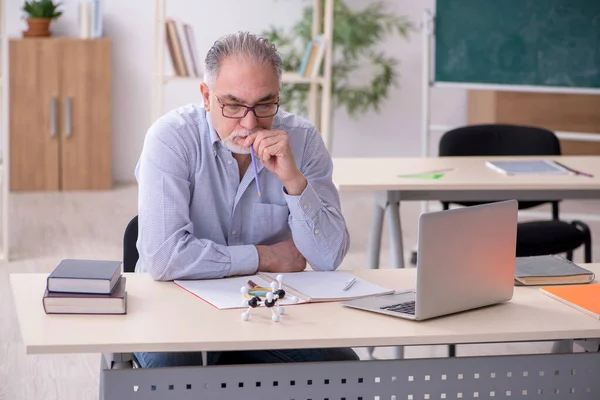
(555, 111)
(60, 114)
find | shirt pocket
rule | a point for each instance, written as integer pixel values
(269, 223)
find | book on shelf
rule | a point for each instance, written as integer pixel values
(585, 298)
(193, 49)
(305, 58)
(181, 44)
(313, 57)
(300, 287)
(78, 286)
(90, 19)
(550, 270)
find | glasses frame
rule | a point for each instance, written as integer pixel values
(247, 109)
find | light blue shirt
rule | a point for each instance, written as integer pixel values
(197, 220)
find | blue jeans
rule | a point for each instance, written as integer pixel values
(150, 360)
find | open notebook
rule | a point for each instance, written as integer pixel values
(306, 287)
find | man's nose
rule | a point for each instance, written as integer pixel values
(249, 121)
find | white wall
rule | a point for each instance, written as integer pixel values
(130, 23)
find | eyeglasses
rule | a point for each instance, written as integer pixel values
(240, 111)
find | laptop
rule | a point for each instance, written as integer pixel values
(466, 260)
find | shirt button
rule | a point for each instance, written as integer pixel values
(233, 233)
(305, 206)
(316, 231)
(229, 162)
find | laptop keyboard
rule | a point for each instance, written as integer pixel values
(407, 307)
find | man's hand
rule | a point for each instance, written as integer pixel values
(272, 147)
(280, 257)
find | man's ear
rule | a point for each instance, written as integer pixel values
(205, 95)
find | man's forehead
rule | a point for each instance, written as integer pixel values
(246, 81)
(243, 99)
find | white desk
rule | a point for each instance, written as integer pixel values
(468, 180)
(156, 321)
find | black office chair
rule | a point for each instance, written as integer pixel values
(130, 252)
(130, 257)
(552, 236)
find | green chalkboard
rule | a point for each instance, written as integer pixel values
(550, 43)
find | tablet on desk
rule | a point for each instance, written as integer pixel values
(528, 167)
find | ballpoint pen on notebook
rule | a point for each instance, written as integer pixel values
(576, 172)
(349, 284)
(255, 170)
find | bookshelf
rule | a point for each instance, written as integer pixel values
(4, 162)
(319, 107)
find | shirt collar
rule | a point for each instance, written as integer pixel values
(214, 136)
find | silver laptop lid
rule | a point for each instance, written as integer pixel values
(466, 258)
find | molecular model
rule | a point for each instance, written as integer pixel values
(254, 296)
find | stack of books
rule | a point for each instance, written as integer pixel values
(86, 287)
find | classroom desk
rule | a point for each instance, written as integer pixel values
(466, 178)
(163, 317)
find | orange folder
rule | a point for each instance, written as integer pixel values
(585, 298)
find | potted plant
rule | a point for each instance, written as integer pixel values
(357, 39)
(39, 15)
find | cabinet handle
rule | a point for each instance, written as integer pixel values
(53, 116)
(68, 117)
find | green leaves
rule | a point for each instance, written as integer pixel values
(42, 9)
(356, 33)
(359, 99)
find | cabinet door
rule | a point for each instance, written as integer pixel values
(34, 114)
(86, 114)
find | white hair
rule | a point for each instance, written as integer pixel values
(241, 44)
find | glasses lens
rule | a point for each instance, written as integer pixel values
(261, 110)
(265, 110)
(234, 111)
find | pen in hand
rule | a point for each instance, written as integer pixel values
(255, 170)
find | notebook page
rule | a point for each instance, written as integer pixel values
(329, 285)
(226, 293)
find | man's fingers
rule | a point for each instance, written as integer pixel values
(272, 150)
(264, 143)
(250, 139)
(264, 139)
(276, 145)
(259, 135)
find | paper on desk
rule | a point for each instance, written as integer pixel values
(225, 293)
(435, 174)
(422, 176)
(318, 286)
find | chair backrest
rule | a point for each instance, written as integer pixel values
(130, 252)
(501, 140)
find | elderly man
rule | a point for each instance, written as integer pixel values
(201, 215)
